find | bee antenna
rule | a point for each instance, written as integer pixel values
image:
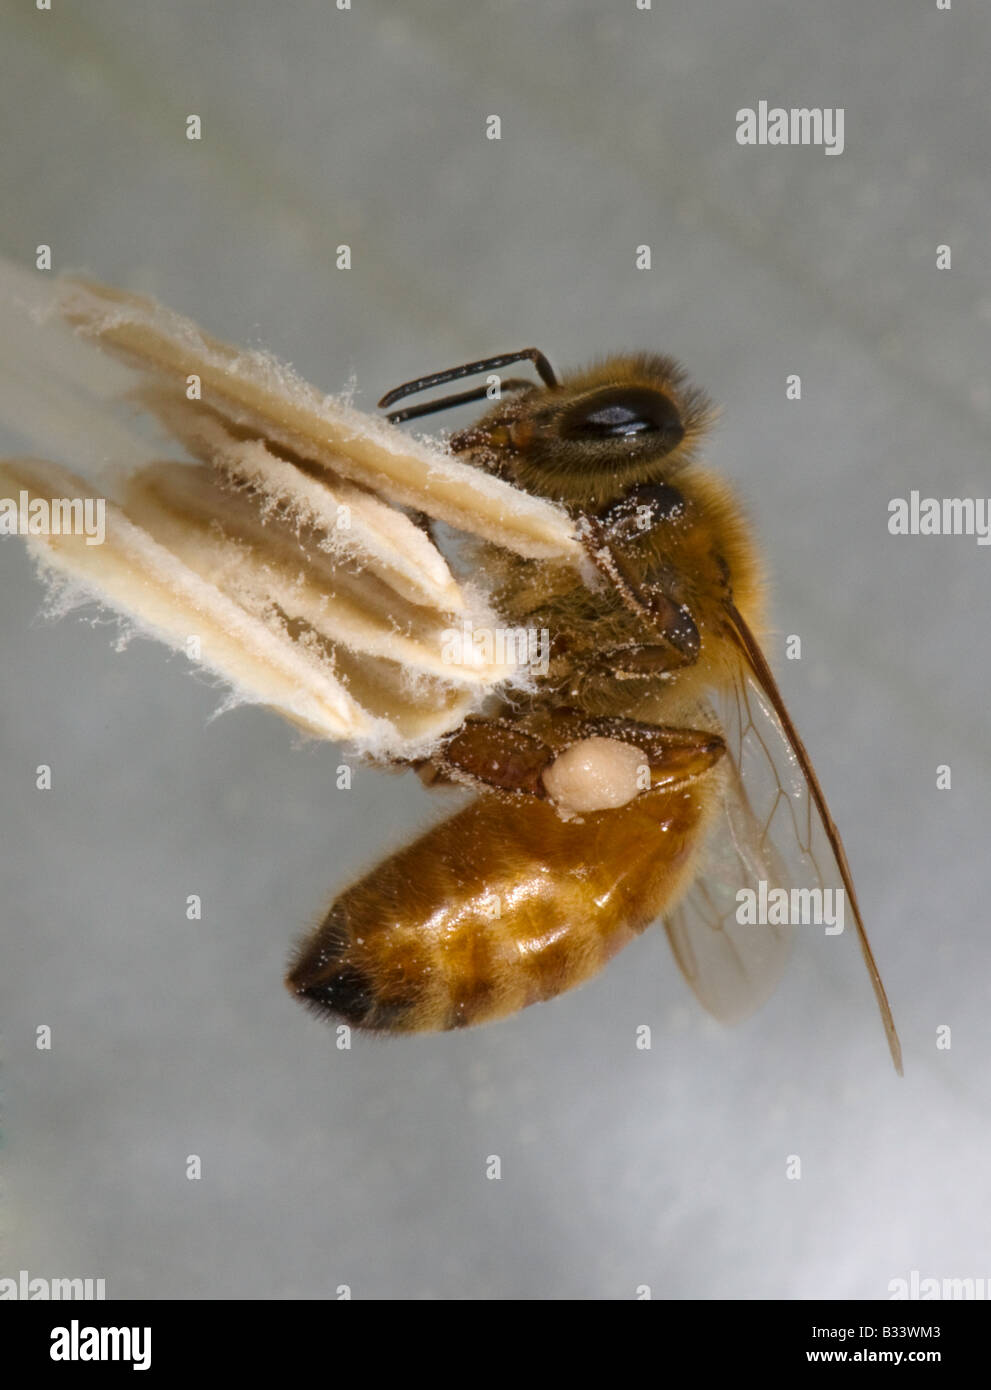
(487, 364)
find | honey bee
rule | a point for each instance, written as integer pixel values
(650, 772)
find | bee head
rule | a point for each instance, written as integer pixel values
(586, 440)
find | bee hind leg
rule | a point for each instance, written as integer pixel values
(672, 754)
(491, 754)
(500, 755)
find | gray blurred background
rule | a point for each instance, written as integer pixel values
(620, 1167)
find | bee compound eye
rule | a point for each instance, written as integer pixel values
(617, 419)
(624, 413)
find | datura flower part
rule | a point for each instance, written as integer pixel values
(288, 551)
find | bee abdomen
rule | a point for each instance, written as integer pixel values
(502, 906)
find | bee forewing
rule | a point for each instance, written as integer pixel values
(732, 967)
(774, 827)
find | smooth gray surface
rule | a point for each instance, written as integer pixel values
(620, 1167)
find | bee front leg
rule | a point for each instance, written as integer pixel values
(650, 592)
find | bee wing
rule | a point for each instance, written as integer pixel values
(774, 825)
(287, 549)
(733, 968)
